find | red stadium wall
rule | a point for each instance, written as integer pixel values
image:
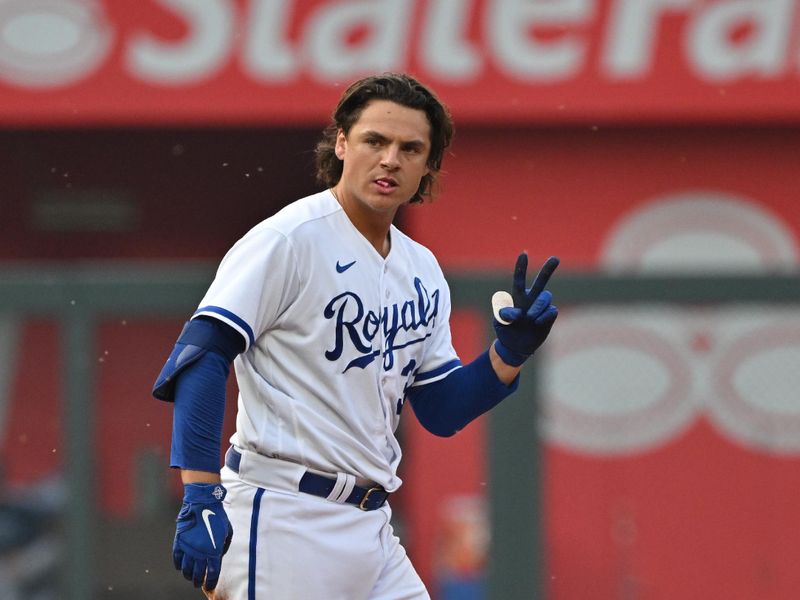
(699, 514)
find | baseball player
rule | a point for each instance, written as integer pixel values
(333, 319)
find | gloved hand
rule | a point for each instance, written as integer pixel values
(523, 319)
(203, 534)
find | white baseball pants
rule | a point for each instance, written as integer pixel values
(293, 546)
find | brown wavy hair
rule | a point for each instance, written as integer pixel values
(402, 89)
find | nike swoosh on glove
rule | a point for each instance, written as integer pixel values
(525, 322)
(203, 534)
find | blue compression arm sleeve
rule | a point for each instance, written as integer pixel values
(446, 406)
(198, 414)
(195, 379)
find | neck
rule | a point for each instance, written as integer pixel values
(374, 226)
(377, 235)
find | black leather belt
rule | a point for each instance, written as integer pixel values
(320, 485)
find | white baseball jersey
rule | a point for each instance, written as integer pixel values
(334, 334)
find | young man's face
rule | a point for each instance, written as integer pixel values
(385, 156)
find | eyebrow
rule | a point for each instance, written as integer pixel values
(370, 133)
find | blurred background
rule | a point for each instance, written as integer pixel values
(653, 451)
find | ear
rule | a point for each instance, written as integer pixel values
(341, 144)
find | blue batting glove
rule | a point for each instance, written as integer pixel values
(523, 327)
(203, 534)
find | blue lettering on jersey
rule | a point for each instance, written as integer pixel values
(360, 327)
(407, 370)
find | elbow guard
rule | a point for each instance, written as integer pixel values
(199, 336)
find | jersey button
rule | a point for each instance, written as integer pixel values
(387, 293)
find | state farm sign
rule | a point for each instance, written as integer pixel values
(491, 60)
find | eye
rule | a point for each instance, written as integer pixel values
(373, 142)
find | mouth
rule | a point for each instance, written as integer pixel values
(386, 183)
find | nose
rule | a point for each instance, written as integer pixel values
(391, 157)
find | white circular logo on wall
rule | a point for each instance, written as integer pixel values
(627, 380)
(51, 43)
(616, 382)
(700, 231)
(755, 377)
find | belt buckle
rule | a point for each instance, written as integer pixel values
(367, 495)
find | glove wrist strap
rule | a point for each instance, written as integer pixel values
(508, 356)
(205, 493)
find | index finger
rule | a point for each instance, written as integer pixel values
(520, 274)
(544, 276)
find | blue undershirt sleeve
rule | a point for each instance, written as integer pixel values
(446, 406)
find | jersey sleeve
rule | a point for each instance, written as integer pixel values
(440, 357)
(255, 282)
